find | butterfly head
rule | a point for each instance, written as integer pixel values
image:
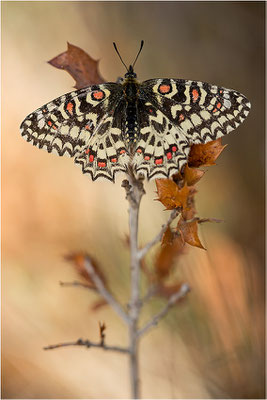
(130, 73)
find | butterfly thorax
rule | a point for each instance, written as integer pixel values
(131, 94)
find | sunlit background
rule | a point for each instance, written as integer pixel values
(211, 345)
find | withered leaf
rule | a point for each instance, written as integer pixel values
(170, 195)
(205, 154)
(189, 232)
(189, 211)
(78, 260)
(168, 290)
(82, 67)
(192, 175)
(166, 257)
(168, 237)
(98, 304)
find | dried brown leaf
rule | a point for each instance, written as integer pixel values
(189, 231)
(168, 290)
(168, 237)
(205, 154)
(170, 195)
(192, 175)
(98, 304)
(166, 257)
(78, 260)
(82, 67)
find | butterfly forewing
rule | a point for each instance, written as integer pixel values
(204, 112)
(77, 122)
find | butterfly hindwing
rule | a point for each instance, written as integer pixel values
(163, 148)
(106, 153)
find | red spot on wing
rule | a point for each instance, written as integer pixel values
(50, 123)
(174, 148)
(69, 108)
(147, 158)
(139, 151)
(101, 164)
(122, 151)
(217, 107)
(87, 127)
(99, 95)
(87, 151)
(181, 117)
(169, 156)
(159, 161)
(91, 158)
(114, 160)
(195, 94)
(164, 88)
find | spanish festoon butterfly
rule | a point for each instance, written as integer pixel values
(148, 127)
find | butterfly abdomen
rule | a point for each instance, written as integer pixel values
(131, 90)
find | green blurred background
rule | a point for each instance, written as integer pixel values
(212, 345)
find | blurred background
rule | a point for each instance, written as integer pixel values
(211, 345)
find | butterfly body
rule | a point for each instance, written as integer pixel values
(131, 97)
(148, 126)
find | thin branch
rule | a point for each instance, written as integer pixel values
(184, 289)
(217, 221)
(77, 283)
(88, 344)
(151, 291)
(142, 252)
(104, 292)
(134, 192)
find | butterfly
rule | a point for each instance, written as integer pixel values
(147, 127)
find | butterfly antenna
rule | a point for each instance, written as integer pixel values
(117, 51)
(142, 44)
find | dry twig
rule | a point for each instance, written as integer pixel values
(184, 289)
(87, 343)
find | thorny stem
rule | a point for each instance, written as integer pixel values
(134, 191)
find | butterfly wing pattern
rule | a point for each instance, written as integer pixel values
(107, 130)
(181, 113)
(82, 124)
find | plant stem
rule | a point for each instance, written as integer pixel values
(87, 343)
(134, 192)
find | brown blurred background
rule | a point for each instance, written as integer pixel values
(211, 346)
